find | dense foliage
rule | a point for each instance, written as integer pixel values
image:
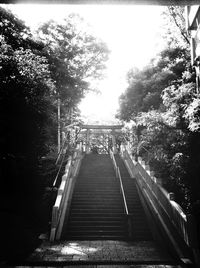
(25, 83)
(25, 86)
(76, 59)
(162, 109)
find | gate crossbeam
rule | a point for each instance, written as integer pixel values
(111, 127)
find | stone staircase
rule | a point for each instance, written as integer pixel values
(97, 210)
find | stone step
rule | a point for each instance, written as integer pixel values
(97, 233)
(96, 180)
(97, 222)
(101, 195)
(97, 215)
(96, 228)
(97, 188)
(97, 206)
(96, 201)
(107, 199)
(91, 237)
(97, 175)
(97, 195)
(94, 210)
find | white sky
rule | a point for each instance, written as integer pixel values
(131, 33)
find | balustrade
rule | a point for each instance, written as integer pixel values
(162, 202)
(64, 193)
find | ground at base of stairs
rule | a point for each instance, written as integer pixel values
(102, 251)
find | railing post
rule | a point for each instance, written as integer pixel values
(54, 222)
(171, 196)
(114, 143)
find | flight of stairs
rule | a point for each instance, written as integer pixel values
(97, 210)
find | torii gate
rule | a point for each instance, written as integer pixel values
(101, 129)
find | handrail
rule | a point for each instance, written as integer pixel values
(122, 190)
(72, 125)
(118, 175)
(56, 178)
(114, 162)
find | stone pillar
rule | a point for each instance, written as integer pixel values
(104, 141)
(114, 142)
(87, 149)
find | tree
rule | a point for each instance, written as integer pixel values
(76, 58)
(174, 30)
(162, 101)
(145, 87)
(25, 109)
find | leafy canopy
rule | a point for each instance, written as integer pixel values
(76, 57)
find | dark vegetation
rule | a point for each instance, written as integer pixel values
(162, 108)
(34, 73)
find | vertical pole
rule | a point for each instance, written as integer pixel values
(59, 127)
(104, 142)
(87, 141)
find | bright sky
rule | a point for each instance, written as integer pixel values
(131, 33)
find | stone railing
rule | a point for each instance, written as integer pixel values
(175, 222)
(64, 194)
